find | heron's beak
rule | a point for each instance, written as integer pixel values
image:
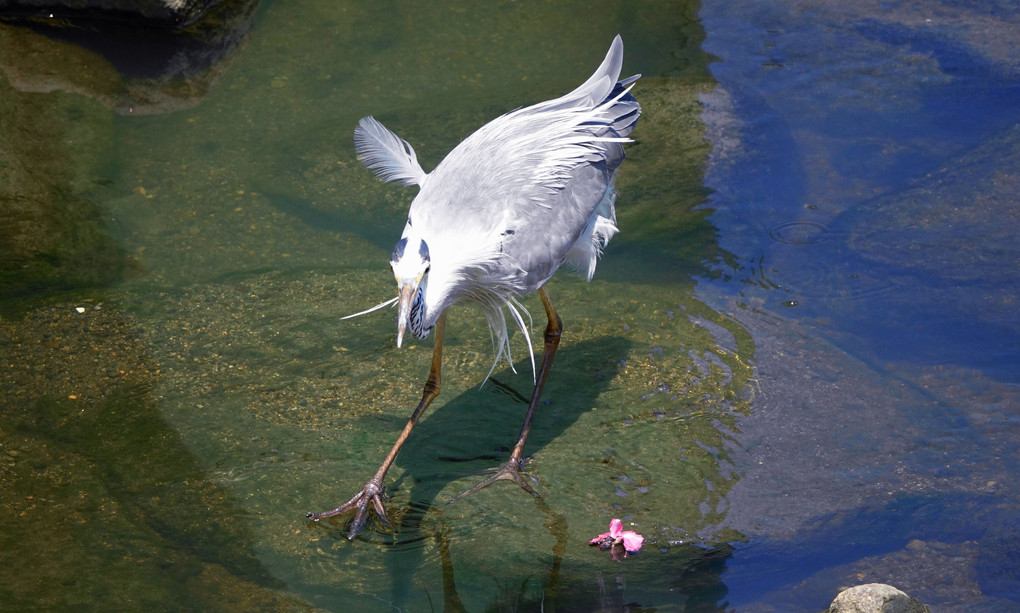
(405, 297)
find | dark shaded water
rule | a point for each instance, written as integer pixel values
(796, 369)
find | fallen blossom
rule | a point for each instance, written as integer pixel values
(617, 538)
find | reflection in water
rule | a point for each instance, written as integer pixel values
(516, 599)
(881, 172)
(694, 579)
(864, 172)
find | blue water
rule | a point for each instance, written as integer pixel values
(867, 207)
(879, 126)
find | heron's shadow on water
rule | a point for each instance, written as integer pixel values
(477, 430)
(460, 438)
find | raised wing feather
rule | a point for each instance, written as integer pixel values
(598, 86)
(516, 164)
(390, 157)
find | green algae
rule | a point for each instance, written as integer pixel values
(255, 230)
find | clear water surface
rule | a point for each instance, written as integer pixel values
(796, 369)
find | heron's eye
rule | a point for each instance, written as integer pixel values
(427, 269)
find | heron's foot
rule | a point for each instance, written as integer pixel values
(512, 470)
(372, 492)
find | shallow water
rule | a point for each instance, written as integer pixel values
(794, 371)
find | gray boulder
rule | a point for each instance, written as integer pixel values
(875, 598)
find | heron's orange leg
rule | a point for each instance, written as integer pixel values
(512, 468)
(372, 492)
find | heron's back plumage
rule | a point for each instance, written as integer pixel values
(529, 184)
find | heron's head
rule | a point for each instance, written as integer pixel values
(410, 263)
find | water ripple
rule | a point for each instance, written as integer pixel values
(802, 232)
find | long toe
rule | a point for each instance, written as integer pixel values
(359, 519)
(370, 494)
(347, 506)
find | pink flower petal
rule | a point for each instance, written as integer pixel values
(632, 541)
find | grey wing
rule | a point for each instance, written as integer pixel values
(537, 181)
(580, 214)
(531, 153)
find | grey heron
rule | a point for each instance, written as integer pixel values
(528, 192)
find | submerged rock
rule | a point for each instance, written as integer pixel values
(136, 58)
(875, 598)
(163, 12)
